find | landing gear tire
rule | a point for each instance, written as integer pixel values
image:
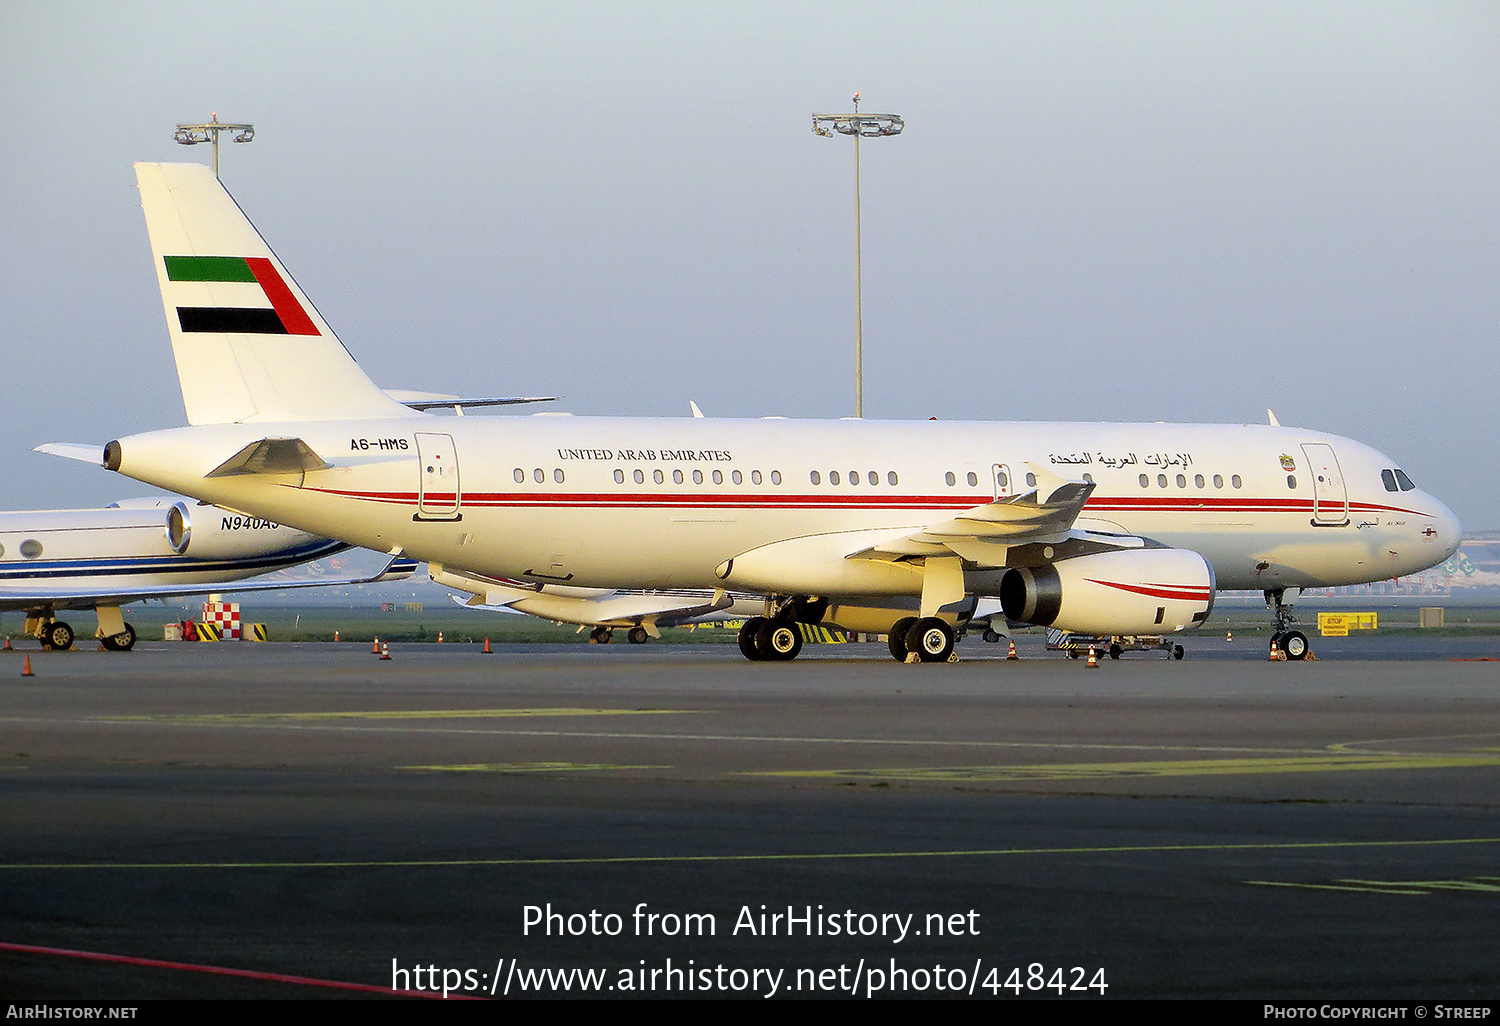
(778, 641)
(1177, 652)
(1294, 644)
(57, 636)
(122, 642)
(638, 636)
(992, 636)
(1114, 651)
(897, 638)
(601, 635)
(747, 635)
(932, 640)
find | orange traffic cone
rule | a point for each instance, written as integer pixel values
(1229, 635)
(440, 637)
(486, 646)
(1277, 655)
(7, 644)
(335, 635)
(375, 647)
(26, 670)
(1093, 659)
(1012, 653)
(385, 651)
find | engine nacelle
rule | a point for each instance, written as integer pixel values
(1132, 591)
(208, 532)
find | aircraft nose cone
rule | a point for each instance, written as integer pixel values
(1449, 531)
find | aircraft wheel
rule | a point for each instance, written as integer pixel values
(778, 640)
(1177, 652)
(57, 636)
(1294, 644)
(897, 637)
(125, 640)
(1114, 651)
(638, 636)
(992, 636)
(1072, 653)
(747, 635)
(931, 639)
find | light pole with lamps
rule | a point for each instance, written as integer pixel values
(870, 126)
(190, 135)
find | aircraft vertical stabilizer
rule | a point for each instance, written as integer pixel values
(249, 346)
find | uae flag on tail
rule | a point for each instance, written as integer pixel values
(284, 317)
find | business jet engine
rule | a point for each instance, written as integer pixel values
(209, 532)
(1130, 591)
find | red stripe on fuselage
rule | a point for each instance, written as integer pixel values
(1164, 591)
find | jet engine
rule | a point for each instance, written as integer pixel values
(1134, 591)
(209, 532)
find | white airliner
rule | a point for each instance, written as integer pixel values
(140, 549)
(883, 527)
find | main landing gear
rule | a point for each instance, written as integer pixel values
(770, 639)
(57, 636)
(122, 642)
(929, 638)
(1291, 643)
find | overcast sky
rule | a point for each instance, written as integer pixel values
(1098, 211)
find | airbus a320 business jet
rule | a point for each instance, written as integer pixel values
(885, 527)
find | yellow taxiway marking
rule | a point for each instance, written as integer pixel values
(387, 714)
(1420, 888)
(527, 767)
(767, 857)
(1172, 768)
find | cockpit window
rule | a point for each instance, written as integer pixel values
(1404, 481)
(1389, 478)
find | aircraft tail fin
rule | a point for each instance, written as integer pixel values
(248, 344)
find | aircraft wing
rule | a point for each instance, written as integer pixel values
(63, 596)
(587, 607)
(983, 534)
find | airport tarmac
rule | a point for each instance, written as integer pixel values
(1216, 827)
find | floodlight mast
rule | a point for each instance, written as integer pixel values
(190, 135)
(871, 126)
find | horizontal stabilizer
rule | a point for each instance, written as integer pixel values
(272, 456)
(84, 452)
(442, 401)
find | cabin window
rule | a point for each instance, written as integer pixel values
(833, 477)
(1198, 480)
(640, 477)
(1002, 479)
(950, 479)
(677, 477)
(1235, 480)
(853, 478)
(1388, 478)
(737, 477)
(658, 476)
(1031, 480)
(539, 475)
(1291, 482)
(557, 475)
(1161, 480)
(619, 477)
(755, 477)
(1404, 481)
(874, 478)
(697, 477)
(31, 548)
(520, 476)
(1218, 480)
(891, 478)
(973, 479)
(1181, 480)
(776, 477)
(1145, 481)
(815, 479)
(718, 477)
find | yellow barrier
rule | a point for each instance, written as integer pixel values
(1338, 625)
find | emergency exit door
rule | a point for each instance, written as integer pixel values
(438, 493)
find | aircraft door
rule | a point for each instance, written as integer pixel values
(438, 493)
(1330, 498)
(1002, 481)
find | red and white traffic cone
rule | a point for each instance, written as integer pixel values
(1012, 653)
(335, 635)
(1229, 635)
(375, 647)
(440, 637)
(486, 646)
(385, 651)
(1093, 659)
(26, 670)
